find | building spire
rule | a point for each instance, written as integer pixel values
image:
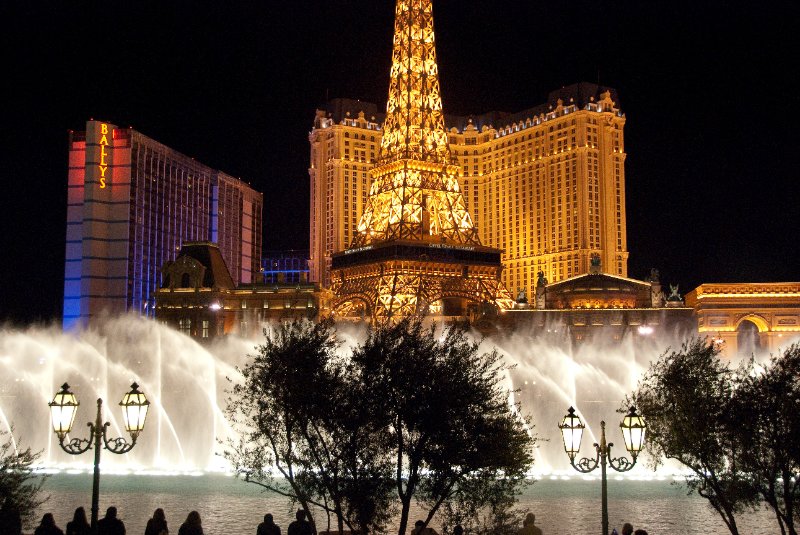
(416, 250)
(414, 126)
(415, 193)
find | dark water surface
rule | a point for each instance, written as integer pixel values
(230, 506)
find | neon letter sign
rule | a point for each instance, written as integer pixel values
(103, 144)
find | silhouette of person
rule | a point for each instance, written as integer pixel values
(79, 525)
(48, 526)
(528, 527)
(268, 526)
(10, 519)
(300, 526)
(158, 524)
(192, 526)
(110, 524)
(627, 529)
(420, 529)
(640, 532)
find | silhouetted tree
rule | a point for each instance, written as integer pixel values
(685, 397)
(304, 432)
(454, 439)
(409, 414)
(20, 487)
(767, 408)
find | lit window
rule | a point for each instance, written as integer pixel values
(185, 326)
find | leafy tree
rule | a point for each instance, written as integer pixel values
(20, 487)
(304, 433)
(454, 439)
(767, 405)
(685, 397)
(485, 508)
(409, 415)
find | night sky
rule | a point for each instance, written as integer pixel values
(709, 90)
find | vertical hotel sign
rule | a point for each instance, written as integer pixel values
(103, 164)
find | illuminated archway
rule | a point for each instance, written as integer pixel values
(756, 320)
(354, 306)
(748, 339)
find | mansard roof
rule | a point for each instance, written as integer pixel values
(201, 258)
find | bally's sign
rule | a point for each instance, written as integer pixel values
(103, 165)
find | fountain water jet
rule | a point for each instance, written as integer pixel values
(187, 382)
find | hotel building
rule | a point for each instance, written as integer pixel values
(199, 298)
(131, 203)
(545, 185)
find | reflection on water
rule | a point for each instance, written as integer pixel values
(230, 506)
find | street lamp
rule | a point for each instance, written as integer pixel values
(62, 412)
(633, 429)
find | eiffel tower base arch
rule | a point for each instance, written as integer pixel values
(396, 280)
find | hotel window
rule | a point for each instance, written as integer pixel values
(205, 329)
(185, 326)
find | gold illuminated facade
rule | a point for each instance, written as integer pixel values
(545, 185)
(415, 248)
(748, 317)
(548, 187)
(345, 142)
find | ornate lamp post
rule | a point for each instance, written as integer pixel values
(633, 429)
(62, 411)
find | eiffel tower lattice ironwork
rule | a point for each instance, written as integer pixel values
(416, 243)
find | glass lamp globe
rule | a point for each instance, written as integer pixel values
(633, 429)
(572, 431)
(62, 411)
(134, 410)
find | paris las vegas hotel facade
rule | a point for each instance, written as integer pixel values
(545, 185)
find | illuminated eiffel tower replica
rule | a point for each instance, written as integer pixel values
(417, 250)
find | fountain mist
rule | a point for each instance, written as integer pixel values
(186, 384)
(184, 381)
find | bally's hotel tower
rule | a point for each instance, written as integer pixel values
(131, 203)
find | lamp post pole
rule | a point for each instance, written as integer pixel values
(63, 409)
(98, 424)
(633, 429)
(603, 458)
